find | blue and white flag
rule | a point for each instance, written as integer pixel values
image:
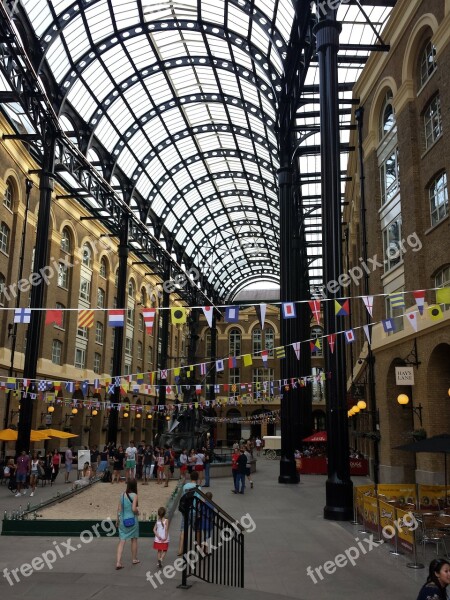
(22, 315)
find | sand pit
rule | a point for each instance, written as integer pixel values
(100, 500)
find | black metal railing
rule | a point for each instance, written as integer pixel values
(213, 543)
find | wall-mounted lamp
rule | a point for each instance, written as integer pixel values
(403, 400)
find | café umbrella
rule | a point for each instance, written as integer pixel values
(10, 435)
(57, 433)
(435, 444)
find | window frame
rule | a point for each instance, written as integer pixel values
(80, 365)
(431, 197)
(8, 197)
(5, 238)
(424, 73)
(63, 247)
(432, 121)
(99, 327)
(235, 341)
(56, 344)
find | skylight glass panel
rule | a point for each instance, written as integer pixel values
(39, 14)
(126, 161)
(238, 21)
(139, 144)
(213, 11)
(58, 60)
(82, 99)
(144, 186)
(140, 51)
(158, 205)
(158, 88)
(99, 21)
(156, 169)
(219, 47)
(126, 13)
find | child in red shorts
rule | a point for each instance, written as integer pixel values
(161, 531)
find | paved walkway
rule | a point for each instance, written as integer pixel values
(289, 536)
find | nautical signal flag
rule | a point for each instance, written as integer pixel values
(208, 312)
(397, 300)
(367, 332)
(22, 315)
(116, 317)
(54, 317)
(265, 356)
(148, 314)
(342, 308)
(261, 313)
(314, 305)
(247, 360)
(315, 346)
(280, 352)
(419, 297)
(232, 362)
(178, 314)
(435, 312)
(296, 347)
(86, 318)
(443, 295)
(288, 310)
(368, 303)
(349, 336)
(219, 365)
(231, 314)
(331, 341)
(388, 325)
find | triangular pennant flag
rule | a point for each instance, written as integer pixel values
(412, 320)
(296, 347)
(208, 311)
(231, 314)
(368, 303)
(261, 313)
(86, 318)
(148, 314)
(265, 356)
(349, 336)
(367, 332)
(247, 360)
(388, 325)
(419, 297)
(54, 317)
(178, 314)
(443, 295)
(331, 341)
(342, 308)
(314, 305)
(288, 310)
(435, 312)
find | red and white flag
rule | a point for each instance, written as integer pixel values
(296, 346)
(148, 315)
(412, 320)
(315, 309)
(368, 303)
(331, 341)
(208, 312)
(367, 332)
(419, 296)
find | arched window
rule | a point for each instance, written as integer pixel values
(143, 296)
(103, 268)
(87, 256)
(387, 118)
(438, 194)
(101, 298)
(131, 289)
(4, 238)
(235, 342)
(427, 63)
(8, 198)
(65, 240)
(432, 121)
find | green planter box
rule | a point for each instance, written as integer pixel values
(66, 528)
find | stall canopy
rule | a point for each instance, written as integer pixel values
(320, 436)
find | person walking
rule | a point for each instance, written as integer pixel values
(206, 464)
(68, 463)
(200, 465)
(193, 483)
(241, 469)
(23, 468)
(56, 462)
(127, 523)
(234, 467)
(437, 581)
(161, 531)
(166, 465)
(130, 465)
(34, 472)
(183, 464)
(148, 465)
(248, 472)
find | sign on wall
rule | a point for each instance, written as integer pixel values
(404, 375)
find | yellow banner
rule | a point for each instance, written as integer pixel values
(405, 531)
(401, 493)
(371, 512)
(361, 491)
(431, 496)
(387, 518)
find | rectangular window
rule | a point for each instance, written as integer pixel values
(261, 379)
(56, 352)
(432, 121)
(60, 306)
(391, 244)
(438, 193)
(395, 313)
(150, 358)
(63, 276)
(127, 369)
(256, 342)
(82, 332)
(139, 350)
(269, 341)
(113, 338)
(130, 316)
(99, 332)
(80, 358)
(4, 238)
(128, 346)
(85, 290)
(100, 298)
(234, 376)
(97, 362)
(389, 177)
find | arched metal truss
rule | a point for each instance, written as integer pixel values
(189, 105)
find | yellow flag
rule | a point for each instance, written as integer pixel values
(443, 295)
(435, 312)
(178, 315)
(176, 371)
(247, 360)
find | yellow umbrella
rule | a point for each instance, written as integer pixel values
(63, 435)
(8, 435)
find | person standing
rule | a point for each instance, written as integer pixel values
(34, 472)
(258, 445)
(148, 465)
(234, 467)
(166, 463)
(193, 483)
(200, 465)
(103, 464)
(437, 581)
(68, 463)
(56, 462)
(119, 457)
(23, 468)
(206, 463)
(130, 465)
(248, 472)
(241, 469)
(127, 523)
(183, 464)
(161, 531)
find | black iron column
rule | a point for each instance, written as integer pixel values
(359, 115)
(32, 349)
(118, 332)
(339, 487)
(211, 378)
(163, 334)
(290, 330)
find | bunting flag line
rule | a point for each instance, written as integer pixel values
(178, 315)
(86, 318)
(280, 352)
(342, 308)
(349, 336)
(367, 332)
(261, 313)
(219, 365)
(388, 325)
(247, 360)
(203, 369)
(148, 314)
(208, 311)
(22, 315)
(116, 317)
(265, 356)
(419, 297)
(232, 364)
(368, 303)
